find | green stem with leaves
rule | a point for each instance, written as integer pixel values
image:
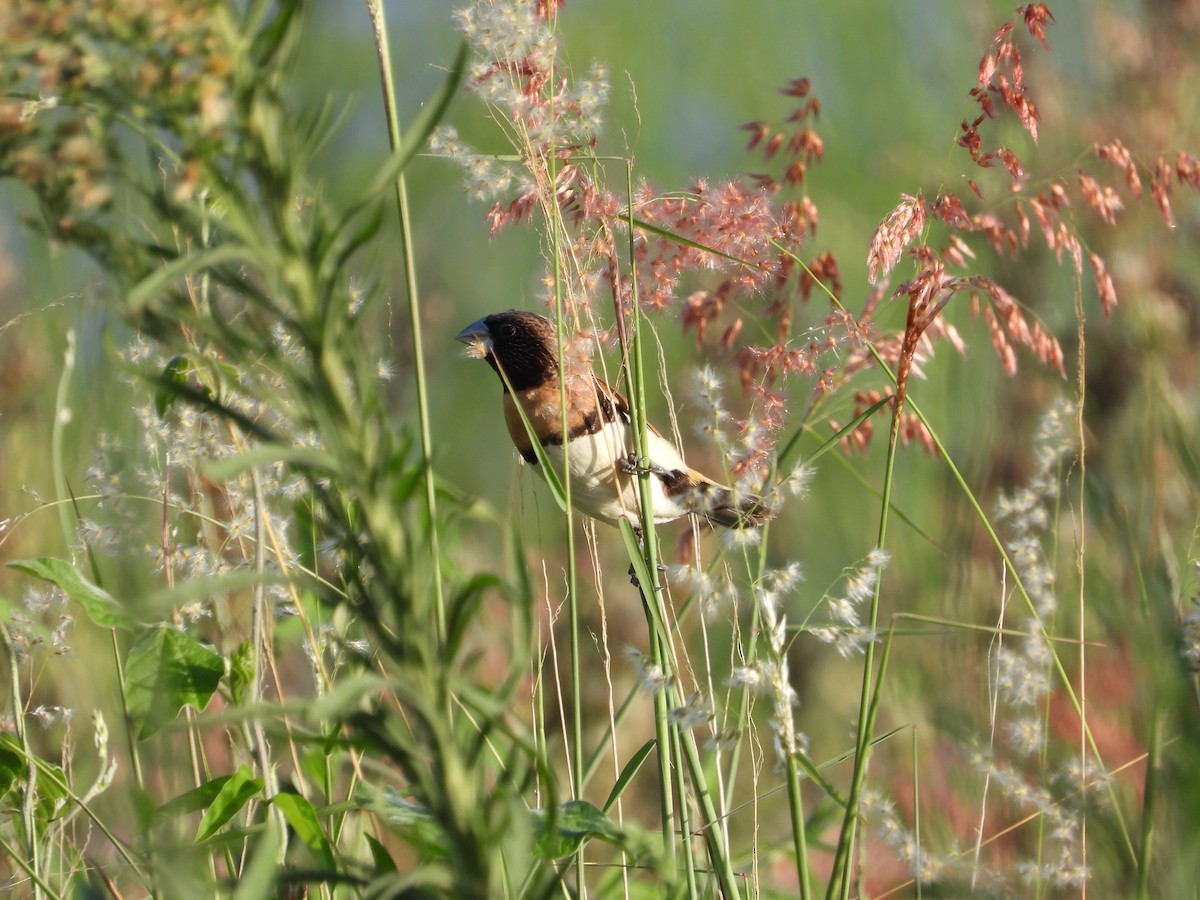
(379, 22)
(661, 655)
(872, 682)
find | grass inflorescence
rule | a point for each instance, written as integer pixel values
(303, 673)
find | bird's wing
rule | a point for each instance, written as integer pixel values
(685, 489)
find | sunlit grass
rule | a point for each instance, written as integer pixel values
(254, 641)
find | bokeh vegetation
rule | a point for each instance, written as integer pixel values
(267, 626)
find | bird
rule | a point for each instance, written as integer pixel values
(522, 348)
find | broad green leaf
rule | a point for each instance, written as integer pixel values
(14, 774)
(235, 793)
(101, 607)
(174, 373)
(410, 821)
(166, 671)
(576, 822)
(303, 818)
(196, 799)
(241, 672)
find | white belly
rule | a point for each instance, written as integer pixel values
(600, 488)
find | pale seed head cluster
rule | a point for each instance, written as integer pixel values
(1023, 667)
(880, 813)
(1027, 512)
(42, 626)
(1023, 670)
(213, 525)
(845, 631)
(1060, 858)
(715, 594)
(769, 673)
(650, 674)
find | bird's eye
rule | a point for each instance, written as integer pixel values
(510, 330)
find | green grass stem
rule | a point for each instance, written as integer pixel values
(379, 25)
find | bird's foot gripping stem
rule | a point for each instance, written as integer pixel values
(629, 464)
(633, 579)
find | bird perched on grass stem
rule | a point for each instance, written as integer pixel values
(522, 347)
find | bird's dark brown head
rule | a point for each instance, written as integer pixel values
(522, 344)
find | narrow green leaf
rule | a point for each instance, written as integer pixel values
(833, 440)
(631, 768)
(545, 469)
(383, 860)
(12, 766)
(347, 693)
(179, 268)
(463, 608)
(303, 818)
(348, 242)
(259, 877)
(433, 111)
(166, 671)
(635, 554)
(643, 225)
(80, 888)
(235, 793)
(270, 37)
(307, 458)
(155, 606)
(641, 572)
(101, 607)
(202, 398)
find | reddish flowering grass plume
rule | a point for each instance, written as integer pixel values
(943, 271)
(715, 255)
(721, 255)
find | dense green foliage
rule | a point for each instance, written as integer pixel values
(275, 617)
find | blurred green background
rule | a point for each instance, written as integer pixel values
(893, 80)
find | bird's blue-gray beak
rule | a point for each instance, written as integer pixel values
(478, 339)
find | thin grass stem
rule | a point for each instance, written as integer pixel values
(799, 835)
(1150, 800)
(868, 699)
(379, 24)
(659, 656)
(960, 481)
